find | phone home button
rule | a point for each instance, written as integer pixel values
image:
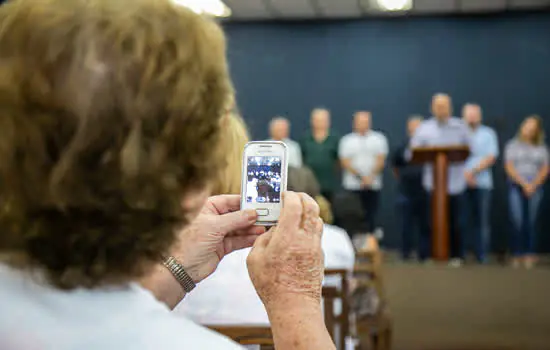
(262, 212)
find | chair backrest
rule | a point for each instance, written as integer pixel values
(368, 266)
(330, 295)
(247, 335)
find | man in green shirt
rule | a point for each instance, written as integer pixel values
(320, 152)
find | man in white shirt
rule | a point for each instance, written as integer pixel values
(279, 130)
(363, 156)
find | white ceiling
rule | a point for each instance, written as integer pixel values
(335, 9)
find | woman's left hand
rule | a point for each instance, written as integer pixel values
(529, 190)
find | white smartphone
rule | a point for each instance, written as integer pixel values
(264, 175)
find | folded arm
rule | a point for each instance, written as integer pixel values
(491, 151)
(346, 165)
(381, 157)
(485, 163)
(513, 174)
(380, 164)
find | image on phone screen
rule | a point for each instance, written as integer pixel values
(263, 183)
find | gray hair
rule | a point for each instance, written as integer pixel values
(319, 109)
(278, 119)
(442, 94)
(472, 105)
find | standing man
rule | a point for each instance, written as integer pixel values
(412, 198)
(479, 178)
(363, 156)
(444, 130)
(279, 130)
(320, 152)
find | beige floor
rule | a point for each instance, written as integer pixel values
(482, 308)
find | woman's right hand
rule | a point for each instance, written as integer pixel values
(286, 263)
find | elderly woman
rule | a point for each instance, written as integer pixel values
(111, 119)
(527, 165)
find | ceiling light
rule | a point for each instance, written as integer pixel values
(395, 5)
(208, 7)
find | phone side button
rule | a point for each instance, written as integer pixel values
(262, 212)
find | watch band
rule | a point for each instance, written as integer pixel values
(179, 273)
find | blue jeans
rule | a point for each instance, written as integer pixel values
(457, 208)
(479, 231)
(414, 213)
(523, 211)
(370, 200)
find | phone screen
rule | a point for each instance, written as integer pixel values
(263, 183)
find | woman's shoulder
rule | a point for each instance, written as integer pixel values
(146, 322)
(513, 143)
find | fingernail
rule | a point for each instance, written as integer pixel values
(250, 214)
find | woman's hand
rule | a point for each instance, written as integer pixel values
(529, 189)
(286, 263)
(286, 267)
(219, 229)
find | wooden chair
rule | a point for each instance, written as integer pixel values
(374, 331)
(330, 295)
(248, 335)
(368, 266)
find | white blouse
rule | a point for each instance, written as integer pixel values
(34, 316)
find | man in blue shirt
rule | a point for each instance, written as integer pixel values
(479, 178)
(445, 130)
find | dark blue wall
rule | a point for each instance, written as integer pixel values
(392, 67)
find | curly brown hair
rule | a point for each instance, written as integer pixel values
(109, 114)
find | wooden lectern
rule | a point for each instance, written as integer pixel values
(440, 157)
